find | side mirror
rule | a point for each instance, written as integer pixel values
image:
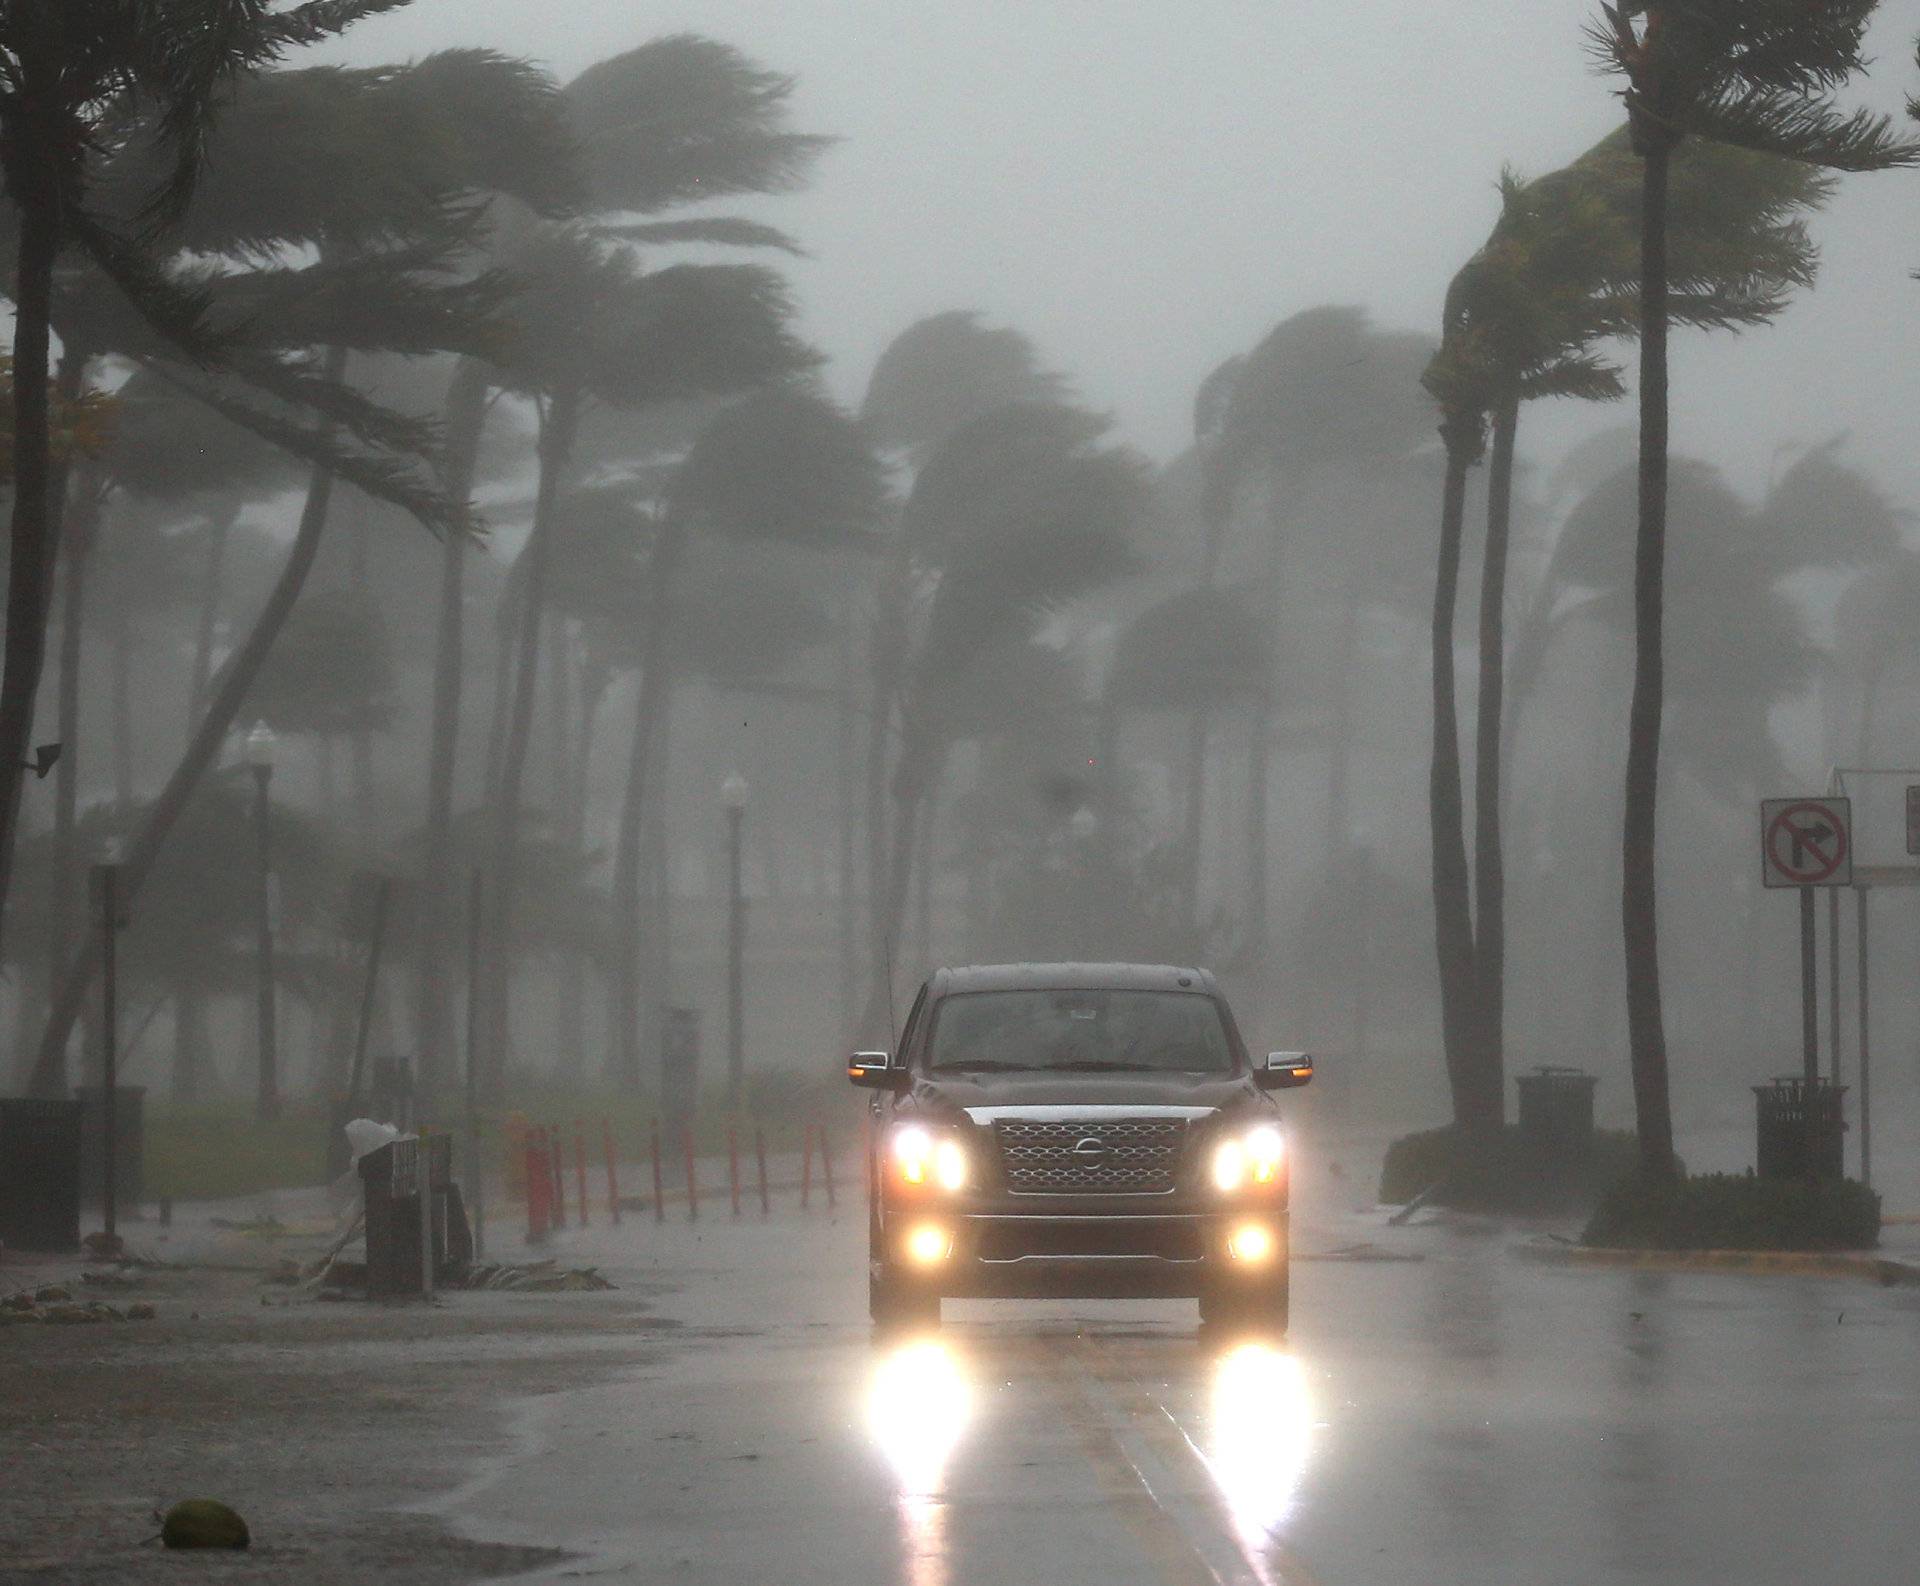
(1285, 1071)
(875, 1071)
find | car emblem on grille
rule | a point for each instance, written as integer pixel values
(1091, 1151)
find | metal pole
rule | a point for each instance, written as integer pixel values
(1809, 1002)
(476, 1172)
(736, 961)
(1866, 1072)
(1833, 983)
(423, 1178)
(110, 1040)
(267, 1105)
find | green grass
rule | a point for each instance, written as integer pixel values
(218, 1151)
(1735, 1211)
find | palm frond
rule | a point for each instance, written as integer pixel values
(1815, 131)
(721, 230)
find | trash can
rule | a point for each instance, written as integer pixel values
(39, 1174)
(1556, 1111)
(679, 1072)
(129, 1144)
(1798, 1140)
(389, 1178)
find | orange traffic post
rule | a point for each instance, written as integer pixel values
(659, 1194)
(557, 1151)
(693, 1186)
(806, 1165)
(580, 1168)
(733, 1167)
(537, 1181)
(613, 1178)
(826, 1166)
(760, 1160)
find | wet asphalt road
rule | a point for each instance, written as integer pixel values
(1468, 1416)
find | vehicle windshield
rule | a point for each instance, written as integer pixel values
(1080, 1031)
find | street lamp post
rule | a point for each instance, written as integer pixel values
(733, 794)
(261, 743)
(106, 889)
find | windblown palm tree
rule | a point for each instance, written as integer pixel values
(74, 74)
(1022, 511)
(1525, 319)
(1759, 77)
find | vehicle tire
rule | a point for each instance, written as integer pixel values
(1263, 1308)
(894, 1302)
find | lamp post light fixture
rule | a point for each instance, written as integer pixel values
(261, 744)
(733, 795)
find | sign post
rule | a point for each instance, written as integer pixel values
(1806, 844)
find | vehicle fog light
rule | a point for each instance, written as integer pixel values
(1251, 1244)
(928, 1245)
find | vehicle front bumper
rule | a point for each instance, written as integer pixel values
(1113, 1255)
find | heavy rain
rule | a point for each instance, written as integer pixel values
(957, 793)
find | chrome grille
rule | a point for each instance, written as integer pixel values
(1136, 1156)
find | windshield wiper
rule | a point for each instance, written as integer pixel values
(1101, 1065)
(980, 1065)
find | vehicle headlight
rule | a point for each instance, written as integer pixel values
(1250, 1158)
(922, 1159)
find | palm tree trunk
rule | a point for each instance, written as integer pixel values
(122, 658)
(1646, 1032)
(650, 708)
(219, 531)
(466, 409)
(203, 748)
(1259, 779)
(32, 532)
(1489, 864)
(1196, 816)
(888, 665)
(573, 836)
(82, 519)
(558, 428)
(1452, 903)
(921, 761)
(189, 1042)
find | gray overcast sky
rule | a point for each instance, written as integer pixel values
(1146, 186)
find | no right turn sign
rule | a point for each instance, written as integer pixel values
(1807, 842)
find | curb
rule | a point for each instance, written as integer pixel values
(1787, 1263)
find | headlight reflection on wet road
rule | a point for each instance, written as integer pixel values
(1258, 1435)
(919, 1402)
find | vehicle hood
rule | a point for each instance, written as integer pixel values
(960, 1091)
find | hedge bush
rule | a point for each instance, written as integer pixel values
(1506, 1173)
(1735, 1211)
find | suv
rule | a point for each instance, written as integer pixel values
(1051, 1130)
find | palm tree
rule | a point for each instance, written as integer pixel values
(387, 294)
(782, 467)
(68, 73)
(599, 329)
(1325, 395)
(1523, 321)
(1193, 652)
(935, 377)
(675, 121)
(1021, 512)
(1756, 77)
